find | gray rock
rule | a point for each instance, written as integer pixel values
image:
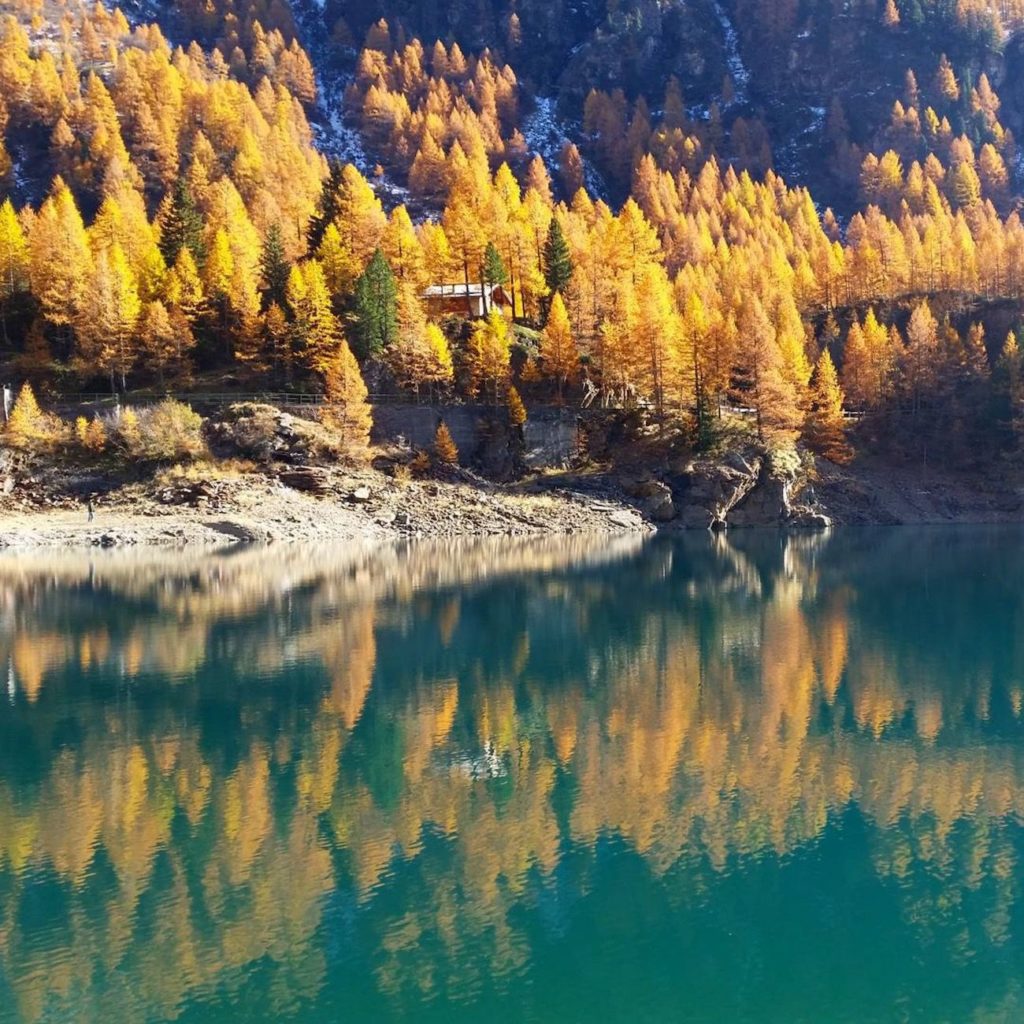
(623, 519)
(766, 504)
(659, 506)
(361, 495)
(305, 478)
(809, 519)
(711, 490)
(641, 485)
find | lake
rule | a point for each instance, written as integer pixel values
(747, 778)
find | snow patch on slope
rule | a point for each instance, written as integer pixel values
(335, 137)
(738, 71)
(546, 137)
(791, 161)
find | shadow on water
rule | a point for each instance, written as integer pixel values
(755, 777)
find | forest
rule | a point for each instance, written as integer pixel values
(172, 219)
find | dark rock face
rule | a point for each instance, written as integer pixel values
(766, 504)
(742, 490)
(709, 490)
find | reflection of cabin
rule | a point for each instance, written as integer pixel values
(473, 300)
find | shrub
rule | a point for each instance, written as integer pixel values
(419, 465)
(91, 434)
(168, 432)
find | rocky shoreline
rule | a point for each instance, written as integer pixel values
(319, 504)
(303, 506)
(272, 477)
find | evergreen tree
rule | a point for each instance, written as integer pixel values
(1009, 380)
(376, 308)
(274, 268)
(516, 409)
(13, 261)
(315, 330)
(327, 206)
(487, 356)
(560, 358)
(558, 266)
(167, 340)
(347, 409)
(494, 272)
(29, 427)
(181, 225)
(517, 422)
(921, 357)
(976, 365)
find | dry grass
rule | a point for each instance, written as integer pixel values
(205, 469)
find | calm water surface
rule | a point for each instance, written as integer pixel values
(747, 779)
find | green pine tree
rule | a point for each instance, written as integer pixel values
(181, 226)
(494, 266)
(557, 259)
(376, 308)
(274, 268)
(327, 207)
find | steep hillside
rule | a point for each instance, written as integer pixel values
(639, 206)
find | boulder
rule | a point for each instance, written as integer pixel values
(809, 519)
(658, 506)
(624, 520)
(710, 490)
(360, 496)
(304, 478)
(641, 485)
(766, 504)
(263, 432)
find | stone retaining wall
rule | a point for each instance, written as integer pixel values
(551, 434)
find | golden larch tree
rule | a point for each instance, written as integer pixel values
(346, 408)
(560, 357)
(826, 425)
(29, 427)
(487, 356)
(445, 451)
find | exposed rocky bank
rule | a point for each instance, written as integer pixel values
(318, 504)
(312, 504)
(273, 478)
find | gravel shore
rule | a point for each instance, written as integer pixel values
(347, 505)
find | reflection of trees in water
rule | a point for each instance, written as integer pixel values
(207, 752)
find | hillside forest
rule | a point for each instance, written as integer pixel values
(191, 198)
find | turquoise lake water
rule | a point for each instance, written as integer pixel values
(752, 778)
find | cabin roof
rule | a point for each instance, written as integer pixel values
(461, 291)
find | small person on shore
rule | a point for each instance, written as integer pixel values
(89, 508)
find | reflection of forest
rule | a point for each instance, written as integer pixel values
(194, 757)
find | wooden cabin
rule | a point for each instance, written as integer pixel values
(472, 300)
